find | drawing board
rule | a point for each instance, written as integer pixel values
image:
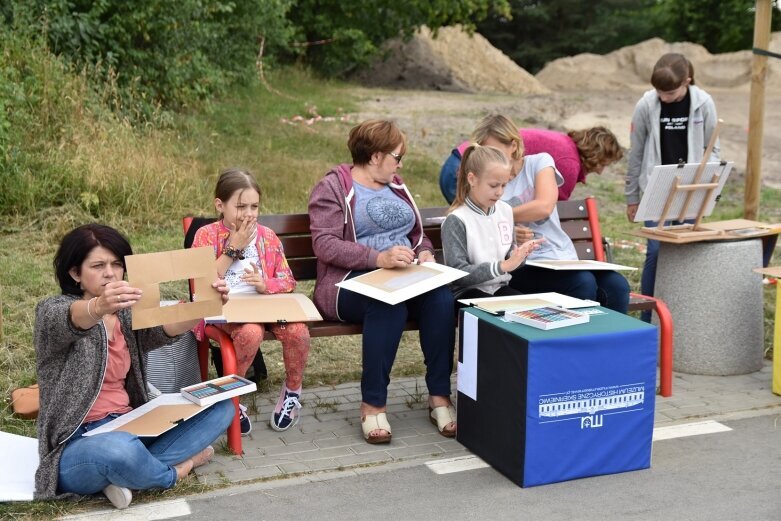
(662, 182)
(397, 285)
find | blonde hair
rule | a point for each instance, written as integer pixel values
(597, 146)
(476, 159)
(500, 128)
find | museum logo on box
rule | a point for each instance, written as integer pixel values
(590, 406)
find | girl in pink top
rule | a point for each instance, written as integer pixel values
(250, 258)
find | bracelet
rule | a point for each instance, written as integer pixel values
(93, 317)
(233, 253)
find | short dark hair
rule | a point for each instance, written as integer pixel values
(77, 244)
(374, 135)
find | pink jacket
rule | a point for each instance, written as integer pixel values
(560, 146)
(331, 207)
(272, 257)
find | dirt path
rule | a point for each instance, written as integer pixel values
(437, 121)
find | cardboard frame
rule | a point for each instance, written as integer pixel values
(146, 272)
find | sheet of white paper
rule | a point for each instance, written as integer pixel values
(579, 265)
(18, 463)
(163, 399)
(467, 370)
(554, 298)
(416, 287)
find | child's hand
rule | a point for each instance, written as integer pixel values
(519, 254)
(255, 277)
(242, 232)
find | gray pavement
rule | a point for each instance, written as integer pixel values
(328, 437)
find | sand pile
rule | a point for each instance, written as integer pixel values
(453, 61)
(630, 67)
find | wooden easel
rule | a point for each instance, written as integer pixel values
(690, 230)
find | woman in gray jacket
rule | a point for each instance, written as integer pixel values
(672, 122)
(91, 369)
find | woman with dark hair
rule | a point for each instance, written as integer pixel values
(363, 217)
(91, 369)
(672, 123)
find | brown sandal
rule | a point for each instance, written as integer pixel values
(443, 416)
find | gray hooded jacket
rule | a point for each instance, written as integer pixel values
(645, 152)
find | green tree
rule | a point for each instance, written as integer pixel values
(724, 27)
(158, 51)
(349, 32)
(539, 32)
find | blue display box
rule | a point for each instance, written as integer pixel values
(548, 406)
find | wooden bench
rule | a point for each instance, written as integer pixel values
(579, 219)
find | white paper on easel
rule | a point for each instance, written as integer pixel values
(18, 463)
(397, 285)
(466, 380)
(660, 184)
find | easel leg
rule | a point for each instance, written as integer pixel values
(777, 344)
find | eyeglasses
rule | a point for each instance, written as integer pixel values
(396, 156)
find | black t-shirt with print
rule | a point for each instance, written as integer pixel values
(673, 126)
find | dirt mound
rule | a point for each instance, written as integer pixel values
(453, 61)
(630, 67)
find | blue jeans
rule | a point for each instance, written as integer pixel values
(383, 325)
(609, 288)
(90, 463)
(648, 278)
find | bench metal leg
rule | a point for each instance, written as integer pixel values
(229, 367)
(665, 344)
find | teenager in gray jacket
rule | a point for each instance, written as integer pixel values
(672, 122)
(91, 369)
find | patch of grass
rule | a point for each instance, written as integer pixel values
(415, 398)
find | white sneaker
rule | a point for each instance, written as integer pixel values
(120, 497)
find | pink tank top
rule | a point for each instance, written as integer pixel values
(113, 397)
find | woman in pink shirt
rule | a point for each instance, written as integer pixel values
(575, 154)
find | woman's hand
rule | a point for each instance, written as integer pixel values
(426, 256)
(243, 232)
(523, 234)
(631, 211)
(255, 277)
(396, 257)
(116, 295)
(519, 255)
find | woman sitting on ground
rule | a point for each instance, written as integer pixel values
(91, 368)
(363, 218)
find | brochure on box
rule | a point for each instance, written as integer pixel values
(213, 391)
(498, 305)
(548, 317)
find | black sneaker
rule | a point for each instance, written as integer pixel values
(285, 414)
(244, 423)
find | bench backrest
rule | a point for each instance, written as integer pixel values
(578, 219)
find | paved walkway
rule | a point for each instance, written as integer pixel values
(328, 436)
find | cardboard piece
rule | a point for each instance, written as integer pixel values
(397, 285)
(147, 271)
(154, 417)
(498, 305)
(264, 309)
